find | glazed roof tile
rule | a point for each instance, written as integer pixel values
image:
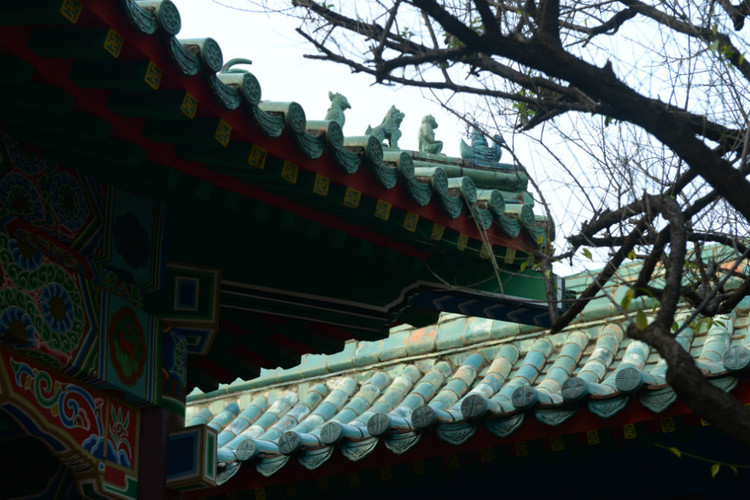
(497, 196)
(488, 374)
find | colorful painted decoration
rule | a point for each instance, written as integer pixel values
(42, 309)
(127, 348)
(93, 433)
(68, 201)
(19, 196)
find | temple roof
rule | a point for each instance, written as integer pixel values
(304, 227)
(150, 79)
(462, 378)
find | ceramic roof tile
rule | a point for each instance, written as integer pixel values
(496, 381)
(496, 193)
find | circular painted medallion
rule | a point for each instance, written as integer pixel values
(127, 346)
(57, 308)
(68, 201)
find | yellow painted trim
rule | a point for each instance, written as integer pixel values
(153, 75)
(557, 443)
(223, 132)
(521, 449)
(189, 106)
(462, 242)
(290, 172)
(113, 43)
(485, 251)
(667, 424)
(592, 437)
(437, 231)
(629, 431)
(71, 10)
(383, 210)
(352, 197)
(410, 221)
(321, 185)
(257, 157)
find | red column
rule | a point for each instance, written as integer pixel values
(156, 424)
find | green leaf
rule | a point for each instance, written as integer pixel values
(627, 299)
(646, 291)
(547, 273)
(607, 121)
(631, 255)
(675, 452)
(641, 322)
(734, 469)
(524, 265)
(540, 239)
(587, 253)
(675, 326)
(715, 470)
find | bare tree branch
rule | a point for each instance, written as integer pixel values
(664, 134)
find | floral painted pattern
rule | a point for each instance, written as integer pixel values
(119, 450)
(27, 257)
(180, 360)
(27, 160)
(57, 308)
(127, 346)
(20, 197)
(67, 405)
(16, 327)
(68, 201)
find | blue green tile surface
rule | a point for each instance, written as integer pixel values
(454, 376)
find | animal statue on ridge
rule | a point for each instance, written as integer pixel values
(389, 129)
(479, 151)
(427, 142)
(339, 104)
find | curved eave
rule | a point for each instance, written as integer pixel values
(153, 48)
(464, 385)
